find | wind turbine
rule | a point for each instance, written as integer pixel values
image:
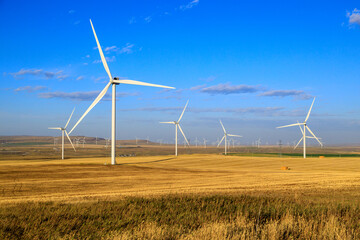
(113, 82)
(225, 136)
(177, 125)
(205, 142)
(303, 130)
(63, 130)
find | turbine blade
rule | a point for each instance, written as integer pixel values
(54, 128)
(101, 53)
(222, 126)
(290, 125)
(168, 122)
(97, 99)
(184, 135)
(302, 132)
(298, 142)
(183, 111)
(313, 135)
(133, 82)
(221, 141)
(70, 140)
(309, 110)
(233, 135)
(69, 118)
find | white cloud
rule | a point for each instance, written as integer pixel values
(83, 96)
(127, 49)
(286, 93)
(30, 88)
(354, 17)
(189, 5)
(80, 78)
(263, 111)
(108, 59)
(226, 89)
(23, 72)
(195, 88)
(111, 49)
(40, 73)
(148, 19)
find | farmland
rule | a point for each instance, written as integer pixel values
(197, 195)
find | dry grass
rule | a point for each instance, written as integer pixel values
(147, 176)
(199, 196)
(182, 217)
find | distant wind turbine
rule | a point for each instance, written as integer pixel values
(303, 130)
(205, 142)
(63, 130)
(177, 125)
(225, 137)
(113, 82)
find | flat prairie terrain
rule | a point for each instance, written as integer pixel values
(87, 178)
(192, 196)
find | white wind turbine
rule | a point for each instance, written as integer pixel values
(177, 125)
(112, 82)
(63, 130)
(205, 141)
(225, 136)
(303, 130)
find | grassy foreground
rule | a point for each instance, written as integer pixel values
(182, 217)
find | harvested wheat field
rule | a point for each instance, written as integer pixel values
(148, 176)
(186, 197)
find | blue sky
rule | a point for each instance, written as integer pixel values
(254, 64)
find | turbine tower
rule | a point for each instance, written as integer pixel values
(63, 130)
(113, 82)
(177, 125)
(303, 130)
(225, 136)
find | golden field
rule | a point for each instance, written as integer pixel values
(192, 196)
(68, 179)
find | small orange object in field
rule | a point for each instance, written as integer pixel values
(285, 168)
(321, 156)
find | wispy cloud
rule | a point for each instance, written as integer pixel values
(127, 49)
(41, 73)
(148, 19)
(263, 111)
(108, 59)
(195, 88)
(71, 11)
(22, 72)
(208, 79)
(80, 78)
(83, 96)
(189, 5)
(226, 89)
(286, 93)
(354, 17)
(30, 89)
(111, 49)
(132, 20)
